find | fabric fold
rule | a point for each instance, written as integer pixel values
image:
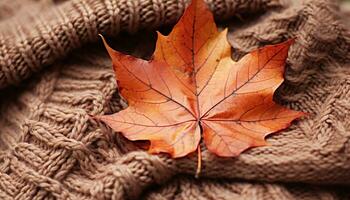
(34, 37)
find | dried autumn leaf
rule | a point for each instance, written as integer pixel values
(192, 87)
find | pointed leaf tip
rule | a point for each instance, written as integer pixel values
(113, 54)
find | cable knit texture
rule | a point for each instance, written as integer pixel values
(55, 74)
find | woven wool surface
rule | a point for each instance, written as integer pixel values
(54, 74)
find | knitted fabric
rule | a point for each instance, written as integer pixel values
(55, 74)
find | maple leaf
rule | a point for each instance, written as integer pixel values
(191, 88)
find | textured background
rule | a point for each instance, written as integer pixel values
(54, 73)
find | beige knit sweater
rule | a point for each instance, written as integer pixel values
(54, 73)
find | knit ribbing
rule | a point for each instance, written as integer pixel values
(59, 29)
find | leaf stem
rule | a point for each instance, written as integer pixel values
(199, 162)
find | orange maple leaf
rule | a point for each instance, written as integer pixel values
(192, 87)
